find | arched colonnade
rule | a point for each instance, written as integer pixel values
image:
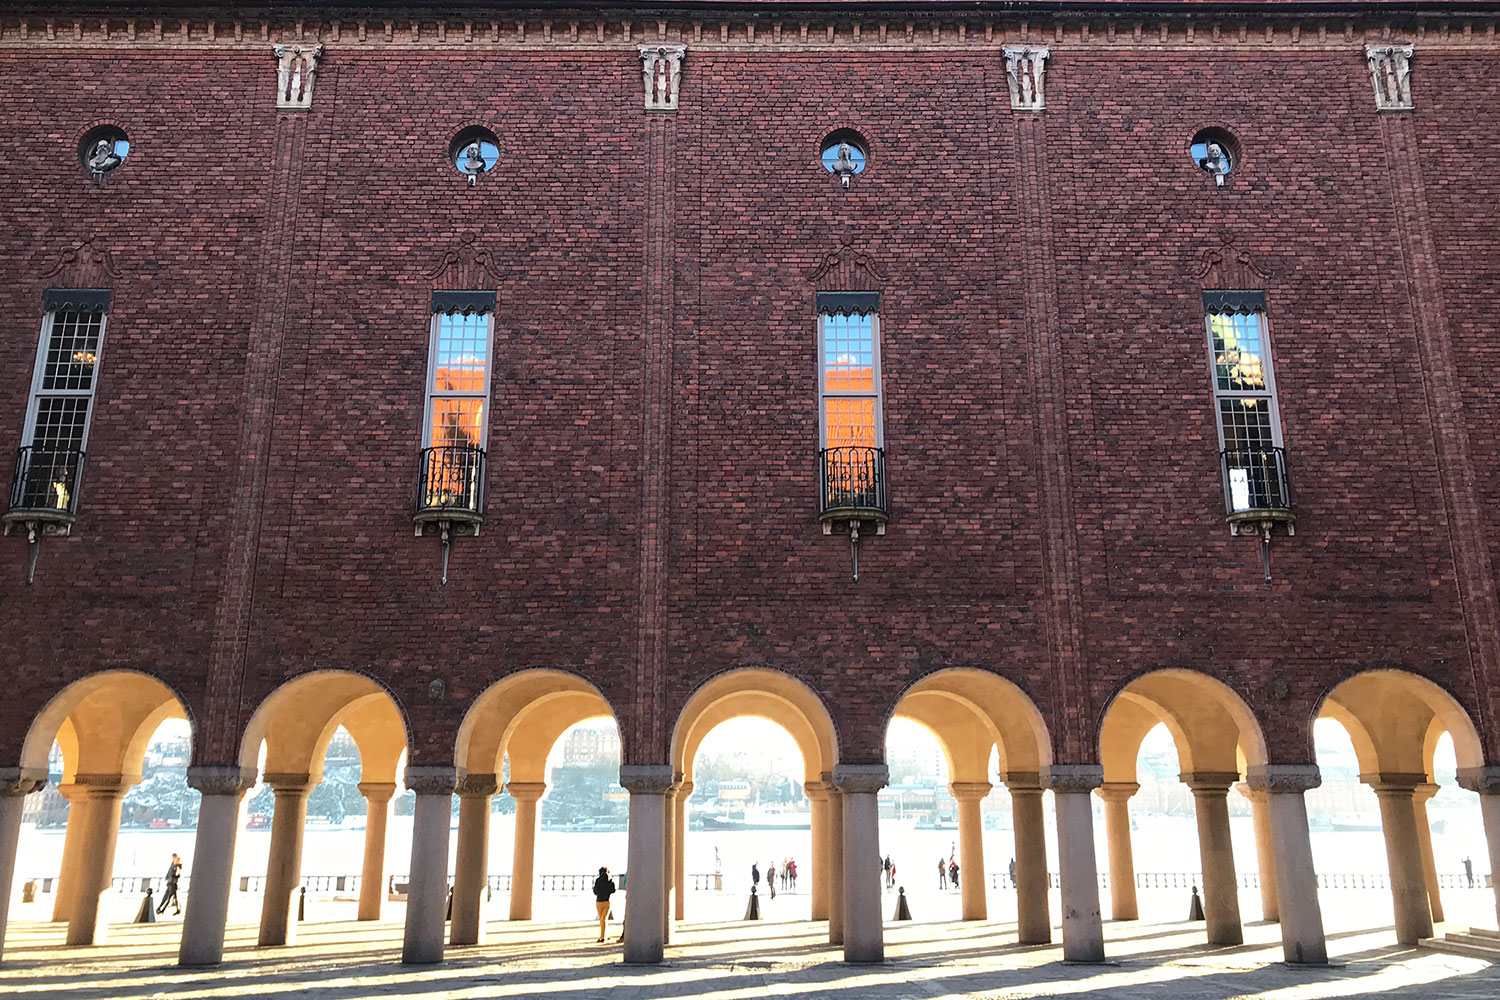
(1394, 720)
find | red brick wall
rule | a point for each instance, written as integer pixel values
(331, 238)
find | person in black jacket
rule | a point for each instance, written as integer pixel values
(169, 894)
(604, 887)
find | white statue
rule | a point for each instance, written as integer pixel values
(102, 158)
(844, 167)
(473, 162)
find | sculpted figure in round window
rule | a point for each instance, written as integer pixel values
(843, 155)
(103, 149)
(474, 151)
(1215, 152)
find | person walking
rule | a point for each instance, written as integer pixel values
(942, 874)
(604, 887)
(1468, 870)
(169, 894)
(791, 873)
(953, 873)
(1012, 873)
(754, 875)
(771, 878)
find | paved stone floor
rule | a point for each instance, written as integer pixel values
(734, 961)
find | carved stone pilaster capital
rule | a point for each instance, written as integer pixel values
(21, 780)
(661, 72)
(289, 782)
(646, 779)
(1023, 782)
(969, 791)
(1073, 778)
(526, 791)
(1484, 779)
(1400, 784)
(1390, 74)
(684, 789)
(1209, 783)
(377, 793)
(1026, 73)
(856, 779)
(431, 779)
(1117, 791)
(477, 786)
(817, 791)
(1425, 791)
(296, 70)
(1280, 778)
(215, 779)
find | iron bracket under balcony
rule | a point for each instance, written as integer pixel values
(43, 497)
(1258, 496)
(450, 495)
(852, 494)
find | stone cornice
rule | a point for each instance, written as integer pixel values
(1270, 28)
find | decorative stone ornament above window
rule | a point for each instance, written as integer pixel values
(1026, 71)
(661, 71)
(1390, 73)
(296, 69)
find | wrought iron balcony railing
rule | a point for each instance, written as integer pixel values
(852, 484)
(45, 485)
(1256, 484)
(450, 484)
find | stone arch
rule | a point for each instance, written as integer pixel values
(763, 693)
(972, 710)
(102, 723)
(522, 716)
(297, 720)
(1394, 718)
(1214, 728)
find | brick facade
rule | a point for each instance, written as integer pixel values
(651, 516)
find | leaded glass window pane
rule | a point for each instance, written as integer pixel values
(1238, 364)
(72, 351)
(849, 353)
(458, 385)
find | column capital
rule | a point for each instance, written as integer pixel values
(477, 786)
(289, 782)
(215, 779)
(526, 791)
(1117, 791)
(646, 779)
(1253, 794)
(969, 791)
(1485, 780)
(431, 779)
(861, 778)
(1073, 777)
(817, 791)
(105, 785)
(1426, 790)
(684, 789)
(1209, 782)
(1283, 777)
(21, 780)
(1023, 782)
(377, 792)
(1399, 783)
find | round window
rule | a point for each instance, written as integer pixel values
(843, 154)
(474, 151)
(1215, 152)
(102, 149)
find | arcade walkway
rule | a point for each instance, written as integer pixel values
(739, 961)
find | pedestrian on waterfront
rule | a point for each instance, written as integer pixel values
(604, 887)
(942, 874)
(754, 874)
(1012, 873)
(791, 873)
(771, 878)
(1468, 870)
(169, 894)
(891, 875)
(953, 873)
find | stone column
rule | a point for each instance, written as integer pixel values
(221, 789)
(1033, 910)
(1083, 930)
(1221, 892)
(1424, 792)
(669, 851)
(817, 795)
(864, 923)
(1116, 796)
(15, 784)
(523, 855)
(427, 897)
(679, 851)
(278, 917)
(1403, 851)
(88, 924)
(1302, 941)
(67, 880)
(1265, 857)
(471, 869)
(378, 795)
(645, 862)
(835, 848)
(1486, 782)
(971, 880)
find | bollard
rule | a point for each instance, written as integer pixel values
(147, 915)
(1195, 908)
(903, 912)
(302, 903)
(752, 912)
